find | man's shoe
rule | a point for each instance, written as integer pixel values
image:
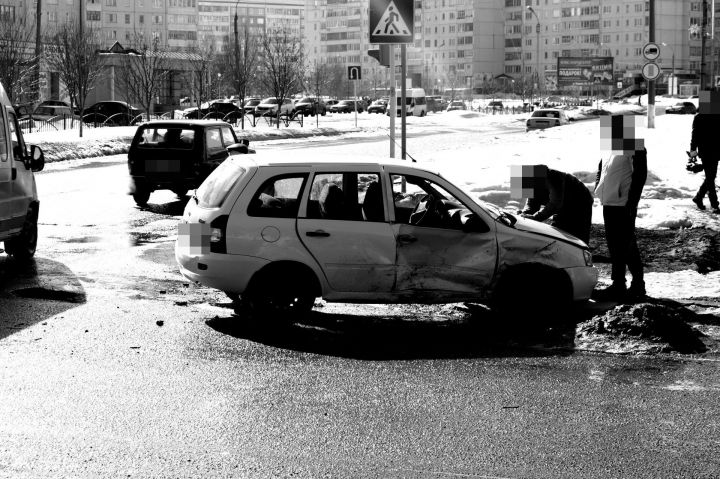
(636, 291)
(698, 202)
(615, 293)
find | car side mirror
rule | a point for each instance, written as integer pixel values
(37, 158)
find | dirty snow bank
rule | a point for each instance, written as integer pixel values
(649, 327)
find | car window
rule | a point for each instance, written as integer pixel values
(214, 190)
(213, 140)
(177, 138)
(228, 136)
(278, 197)
(17, 142)
(3, 145)
(414, 205)
(346, 196)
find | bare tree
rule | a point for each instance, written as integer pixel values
(282, 64)
(198, 79)
(143, 75)
(318, 79)
(17, 60)
(337, 81)
(240, 61)
(72, 51)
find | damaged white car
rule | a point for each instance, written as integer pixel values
(279, 232)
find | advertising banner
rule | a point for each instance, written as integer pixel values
(583, 71)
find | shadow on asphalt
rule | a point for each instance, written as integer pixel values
(171, 208)
(31, 292)
(478, 334)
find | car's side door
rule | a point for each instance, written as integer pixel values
(344, 224)
(443, 248)
(7, 174)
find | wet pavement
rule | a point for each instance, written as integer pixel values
(112, 364)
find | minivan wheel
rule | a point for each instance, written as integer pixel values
(141, 196)
(24, 245)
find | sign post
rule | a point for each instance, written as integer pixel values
(651, 52)
(392, 22)
(355, 73)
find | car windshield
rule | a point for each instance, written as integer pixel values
(44, 110)
(546, 114)
(215, 188)
(271, 101)
(306, 100)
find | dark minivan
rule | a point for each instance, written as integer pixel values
(178, 155)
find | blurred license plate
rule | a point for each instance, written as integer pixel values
(194, 238)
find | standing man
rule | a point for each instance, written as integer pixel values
(620, 179)
(704, 142)
(553, 193)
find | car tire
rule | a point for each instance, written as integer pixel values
(141, 195)
(533, 294)
(282, 294)
(23, 246)
(180, 192)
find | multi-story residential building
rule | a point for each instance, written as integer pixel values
(605, 28)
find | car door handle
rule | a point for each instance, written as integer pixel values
(406, 239)
(318, 233)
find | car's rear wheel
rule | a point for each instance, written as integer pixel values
(281, 293)
(141, 195)
(23, 246)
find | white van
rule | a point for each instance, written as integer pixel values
(19, 204)
(415, 102)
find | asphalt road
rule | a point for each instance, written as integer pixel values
(111, 365)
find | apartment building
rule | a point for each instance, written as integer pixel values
(599, 28)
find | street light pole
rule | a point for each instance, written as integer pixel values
(673, 69)
(537, 46)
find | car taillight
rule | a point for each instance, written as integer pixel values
(218, 229)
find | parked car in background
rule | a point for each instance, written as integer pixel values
(546, 118)
(23, 110)
(436, 103)
(250, 104)
(456, 105)
(347, 106)
(495, 105)
(178, 155)
(270, 106)
(310, 106)
(279, 232)
(112, 113)
(378, 106)
(47, 112)
(330, 103)
(682, 108)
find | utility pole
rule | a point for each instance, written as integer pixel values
(651, 83)
(703, 34)
(38, 48)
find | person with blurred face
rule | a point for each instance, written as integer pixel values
(555, 194)
(705, 144)
(620, 179)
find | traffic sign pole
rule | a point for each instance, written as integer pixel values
(651, 83)
(393, 101)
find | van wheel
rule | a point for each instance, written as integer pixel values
(24, 245)
(141, 196)
(422, 113)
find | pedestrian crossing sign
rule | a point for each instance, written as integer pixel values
(391, 21)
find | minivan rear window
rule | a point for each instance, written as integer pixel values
(215, 188)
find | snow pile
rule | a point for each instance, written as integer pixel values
(641, 328)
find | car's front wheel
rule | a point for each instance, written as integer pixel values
(23, 246)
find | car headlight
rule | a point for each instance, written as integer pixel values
(588, 257)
